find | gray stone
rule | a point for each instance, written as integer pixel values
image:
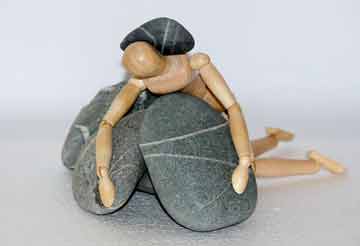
(145, 184)
(87, 121)
(126, 168)
(188, 151)
(168, 36)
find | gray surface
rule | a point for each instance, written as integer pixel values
(86, 123)
(145, 184)
(85, 126)
(168, 36)
(126, 168)
(38, 207)
(188, 151)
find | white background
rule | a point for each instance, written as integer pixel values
(291, 64)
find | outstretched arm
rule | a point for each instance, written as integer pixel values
(217, 85)
(119, 107)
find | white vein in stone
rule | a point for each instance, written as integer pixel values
(175, 37)
(108, 88)
(215, 199)
(123, 155)
(225, 116)
(84, 131)
(165, 36)
(184, 136)
(188, 157)
(142, 97)
(149, 35)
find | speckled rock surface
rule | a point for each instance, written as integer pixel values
(145, 184)
(190, 157)
(168, 36)
(126, 168)
(87, 121)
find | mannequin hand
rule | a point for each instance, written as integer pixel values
(240, 175)
(106, 187)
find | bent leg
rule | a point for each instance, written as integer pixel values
(274, 136)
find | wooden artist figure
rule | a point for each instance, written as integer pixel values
(195, 75)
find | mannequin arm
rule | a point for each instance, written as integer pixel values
(119, 107)
(217, 85)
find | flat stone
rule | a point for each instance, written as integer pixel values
(126, 168)
(168, 36)
(188, 151)
(87, 121)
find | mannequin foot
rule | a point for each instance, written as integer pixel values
(280, 134)
(330, 165)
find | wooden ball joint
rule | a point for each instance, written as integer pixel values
(196, 75)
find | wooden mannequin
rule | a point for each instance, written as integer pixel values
(166, 74)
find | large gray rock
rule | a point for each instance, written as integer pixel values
(190, 157)
(87, 121)
(168, 36)
(145, 184)
(126, 168)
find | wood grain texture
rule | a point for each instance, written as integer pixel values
(142, 60)
(217, 85)
(284, 167)
(262, 145)
(122, 103)
(197, 88)
(329, 164)
(119, 107)
(176, 75)
(199, 60)
(239, 131)
(103, 147)
(274, 136)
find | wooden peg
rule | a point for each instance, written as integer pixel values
(329, 164)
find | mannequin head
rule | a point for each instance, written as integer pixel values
(142, 60)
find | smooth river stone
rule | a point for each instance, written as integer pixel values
(168, 36)
(145, 184)
(188, 150)
(126, 168)
(87, 121)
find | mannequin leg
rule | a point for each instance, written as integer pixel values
(274, 136)
(287, 167)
